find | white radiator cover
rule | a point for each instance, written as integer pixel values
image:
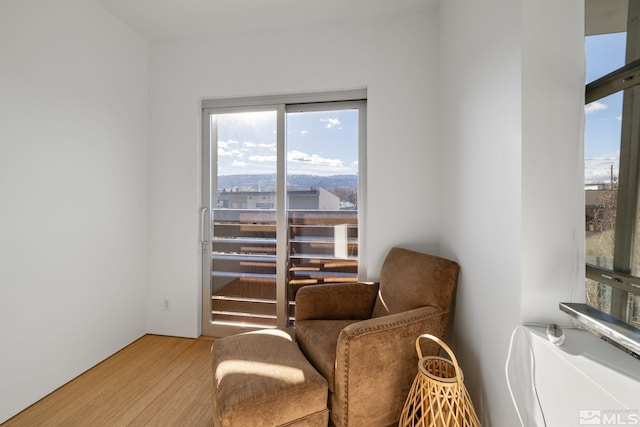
(584, 381)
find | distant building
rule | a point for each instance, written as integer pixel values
(597, 186)
(314, 199)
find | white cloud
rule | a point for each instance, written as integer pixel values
(227, 144)
(313, 159)
(594, 107)
(263, 158)
(605, 159)
(304, 132)
(598, 169)
(270, 147)
(225, 148)
(331, 122)
(249, 144)
(232, 153)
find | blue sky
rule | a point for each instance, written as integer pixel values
(604, 53)
(318, 143)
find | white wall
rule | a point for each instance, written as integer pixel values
(394, 58)
(553, 79)
(480, 60)
(512, 85)
(73, 197)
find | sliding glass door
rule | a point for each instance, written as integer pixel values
(280, 208)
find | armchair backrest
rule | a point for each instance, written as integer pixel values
(411, 280)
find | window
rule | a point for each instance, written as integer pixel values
(281, 195)
(612, 174)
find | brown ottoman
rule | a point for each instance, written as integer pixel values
(262, 379)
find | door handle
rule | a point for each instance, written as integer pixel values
(204, 240)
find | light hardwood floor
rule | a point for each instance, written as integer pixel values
(155, 381)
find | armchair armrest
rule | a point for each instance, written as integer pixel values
(336, 301)
(376, 363)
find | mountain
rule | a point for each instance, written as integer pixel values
(267, 182)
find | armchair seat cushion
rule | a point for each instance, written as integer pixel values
(317, 340)
(261, 379)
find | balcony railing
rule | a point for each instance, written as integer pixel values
(322, 248)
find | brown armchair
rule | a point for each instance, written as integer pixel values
(361, 336)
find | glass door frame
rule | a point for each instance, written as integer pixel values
(282, 105)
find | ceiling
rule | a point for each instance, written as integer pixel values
(605, 16)
(169, 20)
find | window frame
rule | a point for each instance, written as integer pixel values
(282, 104)
(617, 325)
(626, 78)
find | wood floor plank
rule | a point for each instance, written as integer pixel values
(157, 380)
(193, 366)
(92, 388)
(118, 378)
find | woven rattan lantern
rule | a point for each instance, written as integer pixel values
(438, 397)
